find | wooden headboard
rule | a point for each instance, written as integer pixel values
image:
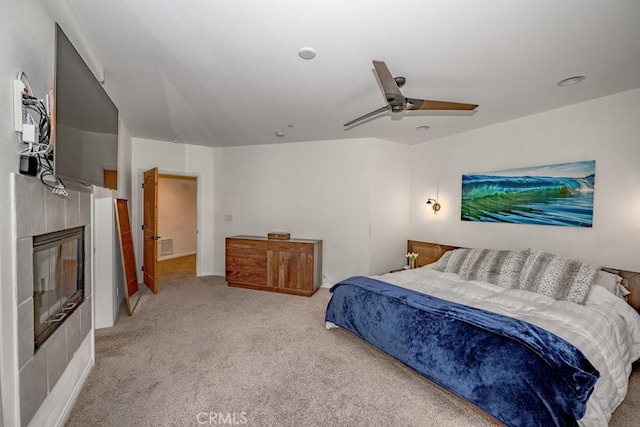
(431, 252)
(427, 252)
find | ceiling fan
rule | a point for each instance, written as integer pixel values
(396, 102)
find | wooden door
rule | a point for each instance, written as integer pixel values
(290, 265)
(150, 228)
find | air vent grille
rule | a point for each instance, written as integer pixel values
(166, 246)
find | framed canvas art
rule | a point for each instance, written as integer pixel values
(560, 194)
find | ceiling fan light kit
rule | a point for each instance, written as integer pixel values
(396, 102)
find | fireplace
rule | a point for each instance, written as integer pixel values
(58, 279)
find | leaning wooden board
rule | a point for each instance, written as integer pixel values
(128, 258)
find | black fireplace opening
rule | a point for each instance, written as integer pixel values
(58, 280)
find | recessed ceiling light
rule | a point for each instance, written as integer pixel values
(307, 53)
(291, 126)
(279, 134)
(422, 127)
(571, 81)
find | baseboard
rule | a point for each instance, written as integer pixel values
(166, 257)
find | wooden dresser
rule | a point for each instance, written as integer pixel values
(288, 266)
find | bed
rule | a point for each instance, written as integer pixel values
(528, 337)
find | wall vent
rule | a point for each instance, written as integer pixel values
(166, 246)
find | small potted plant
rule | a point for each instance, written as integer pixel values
(412, 256)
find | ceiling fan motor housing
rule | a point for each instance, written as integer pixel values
(397, 103)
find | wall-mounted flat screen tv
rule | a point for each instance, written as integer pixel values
(86, 121)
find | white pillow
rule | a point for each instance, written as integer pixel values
(611, 282)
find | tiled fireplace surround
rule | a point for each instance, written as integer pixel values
(38, 211)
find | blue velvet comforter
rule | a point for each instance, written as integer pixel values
(517, 372)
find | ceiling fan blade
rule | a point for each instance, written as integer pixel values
(366, 116)
(389, 86)
(425, 104)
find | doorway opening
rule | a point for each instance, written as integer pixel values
(177, 226)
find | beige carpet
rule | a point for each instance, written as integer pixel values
(202, 351)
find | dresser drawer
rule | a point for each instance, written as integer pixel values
(247, 277)
(290, 247)
(244, 244)
(245, 252)
(241, 262)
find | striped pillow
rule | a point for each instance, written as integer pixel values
(451, 261)
(557, 277)
(501, 268)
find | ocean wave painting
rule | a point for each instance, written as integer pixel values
(560, 194)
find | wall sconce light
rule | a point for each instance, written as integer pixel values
(434, 205)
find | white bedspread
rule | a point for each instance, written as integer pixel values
(606, 329)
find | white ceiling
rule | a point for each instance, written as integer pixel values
(227, 73)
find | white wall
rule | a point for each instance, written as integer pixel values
(176, 159)
(390, 187)
(318, 190)
(124, 162)
(605, 129)
(108, 279)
